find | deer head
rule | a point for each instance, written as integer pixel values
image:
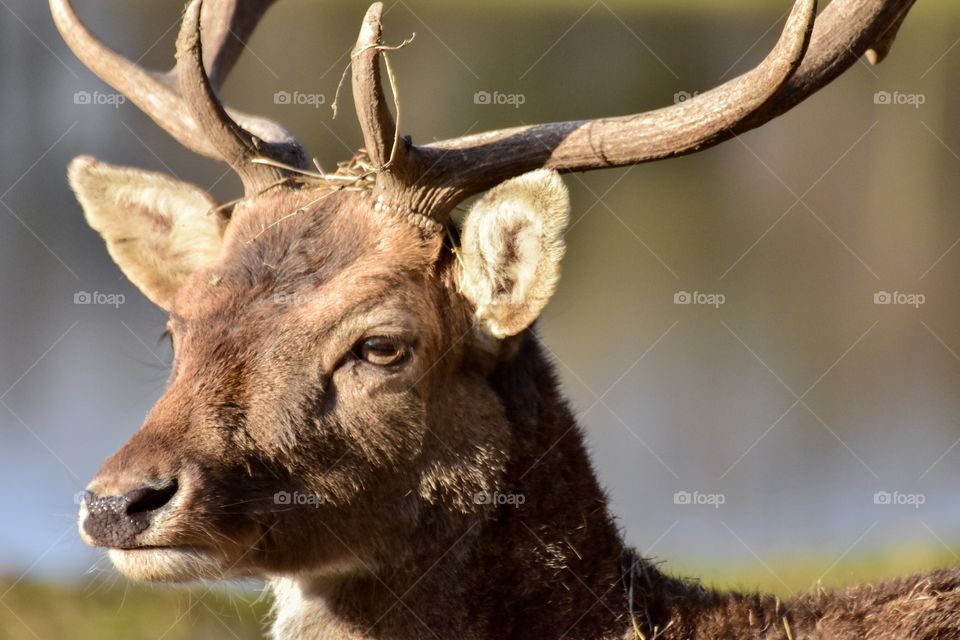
(334, 336)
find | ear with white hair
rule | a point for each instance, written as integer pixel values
(511, 248)
(158, 230)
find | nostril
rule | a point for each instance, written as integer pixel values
(116, 521)
(147, 499)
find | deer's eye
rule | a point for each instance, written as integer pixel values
(382, 351)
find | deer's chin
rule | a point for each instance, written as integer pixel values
(167, 564)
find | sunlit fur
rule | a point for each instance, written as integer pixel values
(511, 248)
(158, 229)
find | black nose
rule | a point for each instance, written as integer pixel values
(116, 521)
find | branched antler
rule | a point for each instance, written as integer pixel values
(225, 25)
(433, 178)
(798, 66)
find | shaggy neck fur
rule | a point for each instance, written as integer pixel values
(531, 569)
(556, 567)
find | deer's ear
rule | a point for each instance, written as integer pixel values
(511, 247)
(157, 229)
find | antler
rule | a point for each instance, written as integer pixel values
(183, 100)
(433, 178)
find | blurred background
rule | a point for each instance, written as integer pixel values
(761, 340)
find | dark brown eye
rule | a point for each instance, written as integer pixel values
(382, 351)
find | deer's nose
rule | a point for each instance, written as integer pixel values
(116, 521)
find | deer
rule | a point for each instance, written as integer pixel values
(352, 447)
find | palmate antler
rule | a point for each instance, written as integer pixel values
(433, 178)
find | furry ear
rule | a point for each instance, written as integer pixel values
(157, 229)
(511, 247)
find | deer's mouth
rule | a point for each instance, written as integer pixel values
(167, 563)
(153, 547)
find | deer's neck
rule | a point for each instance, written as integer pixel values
(549, 567)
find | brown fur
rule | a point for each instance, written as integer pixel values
(264, 397)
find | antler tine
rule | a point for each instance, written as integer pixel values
(237, 146)
(226, 25)
(383, 146)
(375, 118)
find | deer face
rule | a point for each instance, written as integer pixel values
(328, 397)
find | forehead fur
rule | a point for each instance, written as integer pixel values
(290, 242)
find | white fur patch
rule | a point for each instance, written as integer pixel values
(157, 229)
(511, 248)
(301, 608)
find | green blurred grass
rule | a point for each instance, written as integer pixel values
(99, 610)
(116, 609)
